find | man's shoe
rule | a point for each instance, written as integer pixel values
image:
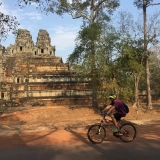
(116, 129)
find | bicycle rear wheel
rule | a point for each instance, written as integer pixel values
(128, 132)
(96, 133)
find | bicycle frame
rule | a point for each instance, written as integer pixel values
(108, 122)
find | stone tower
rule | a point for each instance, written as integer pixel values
(43, 44)
(23, 43)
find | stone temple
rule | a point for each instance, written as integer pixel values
(31, 73)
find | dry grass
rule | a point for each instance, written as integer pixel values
(69, 115)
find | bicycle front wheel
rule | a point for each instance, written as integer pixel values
(96, 133)
(128, 132)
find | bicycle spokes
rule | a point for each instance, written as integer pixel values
(125, 133)
(128, 131)
(96, 134)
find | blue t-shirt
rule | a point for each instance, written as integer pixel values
(119, 107)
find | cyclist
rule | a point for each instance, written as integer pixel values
(115, 110)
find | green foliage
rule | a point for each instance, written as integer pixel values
(102, 72)
(155, 72)
(126, 94)
(123, 89)
(131, 58)
(85, 43)
(112, 71)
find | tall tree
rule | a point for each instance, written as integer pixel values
(7, 23)
(155, 71)
(130, 60)
(143, 4)
(131, 63)
(99, 68)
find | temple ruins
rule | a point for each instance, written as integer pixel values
(31, 73)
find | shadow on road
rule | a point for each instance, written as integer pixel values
(73, 144)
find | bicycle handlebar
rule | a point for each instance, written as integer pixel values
(103, 114)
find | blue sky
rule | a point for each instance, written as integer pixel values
(62, 31)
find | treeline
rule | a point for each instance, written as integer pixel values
(120, 55)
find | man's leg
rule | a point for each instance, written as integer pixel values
(114, 121)
(116, 117)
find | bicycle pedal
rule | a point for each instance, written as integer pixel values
(119, 134)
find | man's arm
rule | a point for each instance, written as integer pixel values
(111, 109)
(107, 108)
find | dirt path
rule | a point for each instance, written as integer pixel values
(74, 145)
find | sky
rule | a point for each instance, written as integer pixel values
(62, 30)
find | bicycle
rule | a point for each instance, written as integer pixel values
(97, 132)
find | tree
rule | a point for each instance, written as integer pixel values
(143, 4)
(130, 60)
(130, 63)
(7, 23)
(97, 67)
(155, 71)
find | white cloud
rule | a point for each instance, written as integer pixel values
(20, 14)
(28, 27)
(34, 16)
(64, 37)
(4, 8)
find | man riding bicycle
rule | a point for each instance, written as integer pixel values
(115, 110)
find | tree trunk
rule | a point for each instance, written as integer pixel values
(136, 84)
(94, 98)
(149, 102)
(94, 81)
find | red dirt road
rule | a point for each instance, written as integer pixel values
(74, 145)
